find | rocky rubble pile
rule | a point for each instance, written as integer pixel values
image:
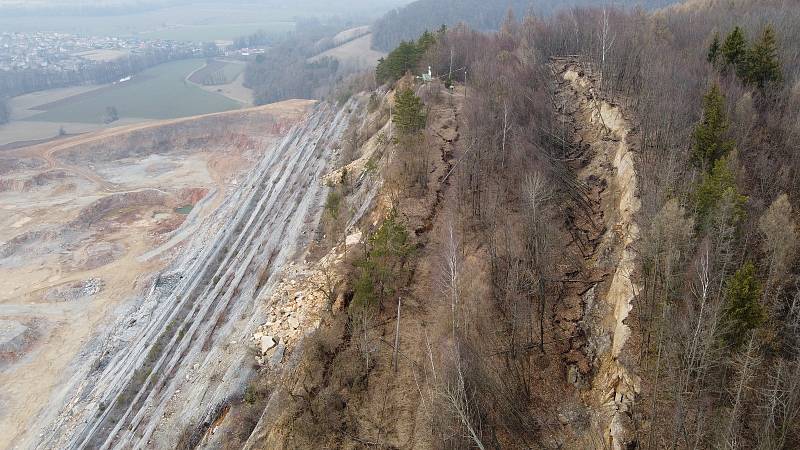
(80, 290)
(297, 303)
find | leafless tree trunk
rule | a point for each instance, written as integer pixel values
(450, 283)
(747, 363)
(537, 194)
(606, 44)
(460, 403)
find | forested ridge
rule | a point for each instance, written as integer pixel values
(476, 312)
(408, 22)
(284, 71)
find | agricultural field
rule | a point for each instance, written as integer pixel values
(161, 92)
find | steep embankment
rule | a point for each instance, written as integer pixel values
(179, 355)
(608, 174)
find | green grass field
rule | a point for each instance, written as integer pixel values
(157, 93)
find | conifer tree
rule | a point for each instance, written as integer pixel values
(425, 42)
(718, 187)
(405, 57)
(409, 116)
(382, 268)
(710, 142)
(402, 59)
(713, 50)
(764, 66)
(742, 312)
(734, 51)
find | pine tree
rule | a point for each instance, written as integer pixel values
(381, 270)
(425, 42)
(734, 51)
(718, 187)
(713, 50)
(405, 57)
(764, 66)
(710, 142)
(742, 312)
(402, 59)
(409, 116)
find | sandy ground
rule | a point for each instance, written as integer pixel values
(71, 253)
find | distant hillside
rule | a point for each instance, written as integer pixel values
(410, 21)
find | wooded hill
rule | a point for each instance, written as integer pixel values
(501, 230)
(408, 22)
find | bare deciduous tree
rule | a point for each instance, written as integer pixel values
(780, 239)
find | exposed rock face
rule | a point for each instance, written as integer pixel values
(599, 308)
(176, 357)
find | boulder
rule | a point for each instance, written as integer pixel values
(267, 343)
(353, 239)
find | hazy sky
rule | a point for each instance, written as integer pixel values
(91, 6)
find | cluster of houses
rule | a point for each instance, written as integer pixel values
(61, 52)
(245, 52)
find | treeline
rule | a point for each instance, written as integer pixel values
(408, 22)
(284, 75)
(257, 39)
(284, 71)
(18, 82)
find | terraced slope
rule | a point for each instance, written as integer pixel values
(175, 358)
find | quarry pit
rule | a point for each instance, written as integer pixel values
(87, 223)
